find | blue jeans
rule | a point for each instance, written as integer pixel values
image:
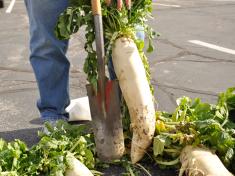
(48, 58)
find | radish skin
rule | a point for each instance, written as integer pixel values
(76, 168)
(135, 88)
(201, 162)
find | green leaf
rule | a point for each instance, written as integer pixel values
(2, 144)
(158, 145)
(150, 47)
(229, 156)
(140, 44)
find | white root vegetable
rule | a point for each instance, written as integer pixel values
(76, 168)
(201, 162)
(135, 88)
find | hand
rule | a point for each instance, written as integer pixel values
(120, 4)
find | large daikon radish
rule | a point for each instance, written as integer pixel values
(76, 168)
(135, 88)
(201, 162)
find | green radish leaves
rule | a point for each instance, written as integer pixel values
(158, 145)
(192, 123)
(48, 157)
(116, 23)
(200, 124)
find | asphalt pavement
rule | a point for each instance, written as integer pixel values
(194, 56)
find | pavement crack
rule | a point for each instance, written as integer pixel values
(186, 52)
(17, 90)
(168, 42)
(169, 94)
(185, 89)
(18, 80)
(212, 58)
(75, 86)
(171, 58)
(73, 71)
(17, 84)
(76, 71)
(15, 69)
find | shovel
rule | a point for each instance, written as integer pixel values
(105, 102)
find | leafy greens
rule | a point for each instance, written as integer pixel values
(199, 124)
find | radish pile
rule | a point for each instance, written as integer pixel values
(197, 138)
(119, 23)
(198, 135)
(193, 122)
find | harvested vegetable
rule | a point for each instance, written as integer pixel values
(192, 123)
(119, 21)
(195, 130)
(201, 162)
(51, 154)
(116, 23)
(198, 124)
(76, 168)
(137, 94)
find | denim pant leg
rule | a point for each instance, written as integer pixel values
(50, 65)
(140, 35)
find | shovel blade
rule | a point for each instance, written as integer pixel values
(107, 126)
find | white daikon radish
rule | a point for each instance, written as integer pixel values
(136, 92)
(201, 162)
(76, 168)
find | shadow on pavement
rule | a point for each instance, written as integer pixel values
(36, 121)
(29, 136)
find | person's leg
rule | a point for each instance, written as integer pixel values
(139, 35)
(48, 59)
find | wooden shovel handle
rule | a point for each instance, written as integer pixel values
(96, 7)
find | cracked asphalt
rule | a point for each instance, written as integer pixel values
(178, 67)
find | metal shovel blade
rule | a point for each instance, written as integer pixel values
(105, 103)
(107, 128)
